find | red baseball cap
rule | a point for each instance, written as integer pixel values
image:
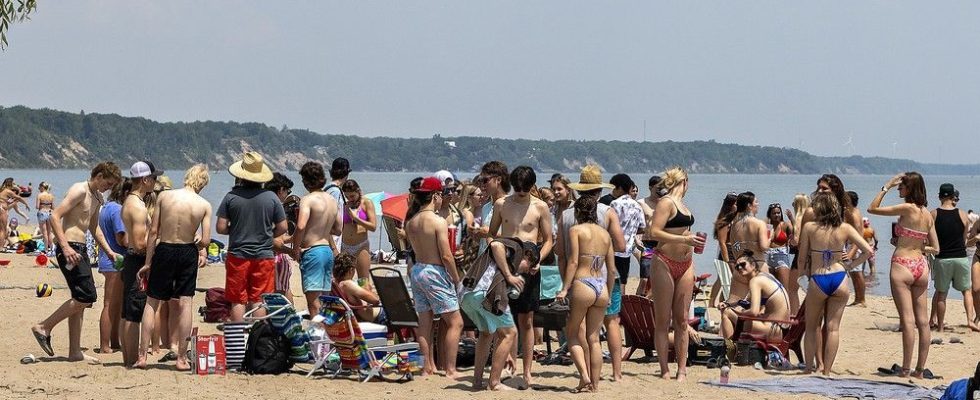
(430, 184)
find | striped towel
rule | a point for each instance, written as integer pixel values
(289, 324)
(235, 338)
(284, 271)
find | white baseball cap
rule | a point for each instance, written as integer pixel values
(142, 169)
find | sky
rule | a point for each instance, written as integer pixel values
(878, 78)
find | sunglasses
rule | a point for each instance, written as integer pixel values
(450, 190)
(741, 266)
(775, 205)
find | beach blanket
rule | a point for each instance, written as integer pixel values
(836, 388)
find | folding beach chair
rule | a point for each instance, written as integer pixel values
(285, 320)
(398, 245)
(724, 278)
(792, 336)
(356, 353)
(396, 302)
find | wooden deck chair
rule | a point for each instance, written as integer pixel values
(357, 354)
(638, 321)
(792, 336)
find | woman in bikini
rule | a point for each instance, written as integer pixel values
(359, 219)
(9, 197)
(45, 204)
(821, 252)
(777, 256)
(359, 298)
(739, 288)
(801, 202)
(672, 273)
(588, 281)
(766, 298)
(915, 237)
(747, 231)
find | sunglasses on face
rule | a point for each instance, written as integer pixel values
(450, 191)
(741, 266)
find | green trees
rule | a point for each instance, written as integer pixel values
(13, 11)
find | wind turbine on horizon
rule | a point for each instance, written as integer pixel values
(850, 144)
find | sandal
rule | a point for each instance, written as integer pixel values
(170, 356)
(45, 342)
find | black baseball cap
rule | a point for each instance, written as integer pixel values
(946, 190)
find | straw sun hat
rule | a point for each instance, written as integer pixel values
(251, 168)
(589, 179)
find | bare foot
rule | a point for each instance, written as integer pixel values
(454, 375)
(140, 362)
(500, 387)
(665, 375)
(973, 327)
(583, 387)
(478, 385)
(861, 304)
(106, 350)
(84, 357)
(616, 378)
(527, 381)
(182, 365)
(681, 376)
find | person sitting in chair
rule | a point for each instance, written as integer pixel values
(347, 288)
(767, 297)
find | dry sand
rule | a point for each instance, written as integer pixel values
(866, 344)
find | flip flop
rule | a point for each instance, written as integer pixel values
(894, 371)
(955, 340)
(927, 374)
(170, 356)
(28, 359)
(44, 341)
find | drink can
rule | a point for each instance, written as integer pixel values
(769, 230)
(143, 284)
(698, 249)
(452, 239)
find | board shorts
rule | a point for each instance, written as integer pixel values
(246, 279)
(133, 299)
(316, 269)
(615, 299)
(433, 289)
(952, 271)
(649, 247)
(778, 258)
(173, 271)
(79, 278)
(530, 297)
(485, 321)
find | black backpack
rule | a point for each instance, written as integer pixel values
(267, 351)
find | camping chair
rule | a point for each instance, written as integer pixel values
(550, 316)
(638, 321)
(398, 245)
(356, 353)
(396, 302)
(285, 320)
(792, 336)
(724, 279)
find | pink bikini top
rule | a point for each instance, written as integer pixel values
(360, 214)
(901, 231)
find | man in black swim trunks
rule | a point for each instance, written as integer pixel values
(174, 255)
(77, 215)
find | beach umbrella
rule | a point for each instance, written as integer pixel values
(395, 207)
(376, 198)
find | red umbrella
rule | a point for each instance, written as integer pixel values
(395, 207)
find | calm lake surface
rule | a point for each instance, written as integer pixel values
(704, 197)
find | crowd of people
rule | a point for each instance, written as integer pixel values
(477, 247)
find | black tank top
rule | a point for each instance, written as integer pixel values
(949, 231)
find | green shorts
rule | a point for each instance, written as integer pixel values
(955, 271)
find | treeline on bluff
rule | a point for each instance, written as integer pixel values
(44, 138)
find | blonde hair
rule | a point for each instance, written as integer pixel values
(800, 203)
(197, 177)
(673, 177)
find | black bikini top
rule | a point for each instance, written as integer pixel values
(680, 220)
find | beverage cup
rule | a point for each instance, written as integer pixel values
(698, 249)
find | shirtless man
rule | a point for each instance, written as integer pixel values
(434, 276)
(136, 218)
(648, 204)
(528, 219)
(173, 255)
(313, 241)
(77, 214)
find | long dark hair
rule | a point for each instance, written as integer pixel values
(726, 207)
(742, 203)
(837, 188)
(585, 210)
(915, 189)
(120, 190)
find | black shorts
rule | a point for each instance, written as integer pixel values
(133, 299)
(79, 278)
(623, 267)
(530, 297)
(173, 272)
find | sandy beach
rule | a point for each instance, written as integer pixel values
(866, 344)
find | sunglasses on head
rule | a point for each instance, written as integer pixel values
(775, 205)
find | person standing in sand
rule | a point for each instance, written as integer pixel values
(313, 245)
(173, 256)
(136, 218)
(951, 266)
(339, 172)
(915, 236)
(526, 218)
(75, 215)
(434, 275)
(45, 204)
(251, 217)
(113, 232)
(648, 204)
(358, 220)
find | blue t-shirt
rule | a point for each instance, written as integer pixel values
(957, 390)
(111, 223)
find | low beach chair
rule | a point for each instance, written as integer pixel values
(356, 353)
(398, 245)
(637, 316)
(285, 320)
(792, 336)
(396, 302)
(724, 278)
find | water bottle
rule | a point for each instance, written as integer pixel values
(725, 370)
(513, 293)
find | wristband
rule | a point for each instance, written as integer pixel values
(884, 189)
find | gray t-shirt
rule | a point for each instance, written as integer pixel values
(252, 214)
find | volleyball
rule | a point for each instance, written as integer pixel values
(43, 290)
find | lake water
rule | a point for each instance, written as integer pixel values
(703, 198)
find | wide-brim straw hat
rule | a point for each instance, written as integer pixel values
(251, 168)
(589, 179)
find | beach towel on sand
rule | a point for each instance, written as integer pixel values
(836, 388)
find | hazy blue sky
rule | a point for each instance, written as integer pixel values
(754, 72)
